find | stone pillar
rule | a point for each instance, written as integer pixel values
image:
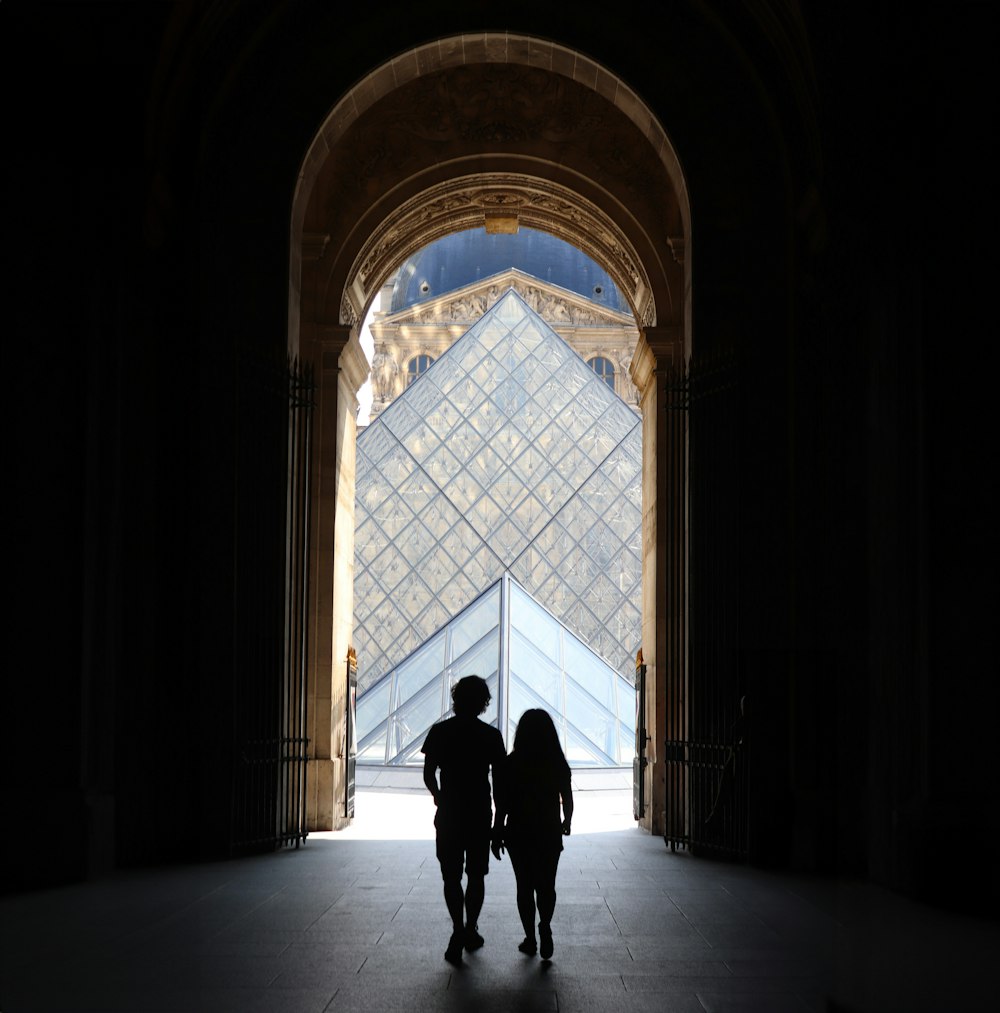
(659, 349)
(341, 369)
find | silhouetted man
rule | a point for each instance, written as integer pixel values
(465, 750)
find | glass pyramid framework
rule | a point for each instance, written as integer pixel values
(504, 629)
(509, 455)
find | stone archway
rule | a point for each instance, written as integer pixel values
(464, 132)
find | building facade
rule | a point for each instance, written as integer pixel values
(441, 291)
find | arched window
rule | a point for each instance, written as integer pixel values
(605, 369)
(418, 365)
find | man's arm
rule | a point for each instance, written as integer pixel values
(430, 779)
(498, 764)
(498, 774)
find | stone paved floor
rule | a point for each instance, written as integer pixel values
(355, 921)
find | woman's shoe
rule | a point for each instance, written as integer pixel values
(454, 952)
(528, 946)
(545, 947)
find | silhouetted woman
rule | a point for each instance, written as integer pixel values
(537, 780)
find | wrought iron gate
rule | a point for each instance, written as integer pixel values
(639, 762)
(269, 688)
(706, 745)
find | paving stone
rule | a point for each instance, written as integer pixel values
(361, 925)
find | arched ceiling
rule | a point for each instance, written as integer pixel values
(502, 127)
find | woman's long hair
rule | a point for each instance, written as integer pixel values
(536, 742)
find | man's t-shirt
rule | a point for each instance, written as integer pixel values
(465, 749)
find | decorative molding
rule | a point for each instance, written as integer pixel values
(666, 343)
(657, 350)
(463, 204)
(500, 223)
(314, 245)
(354, 363)
(350, 314)
(643, 365)
(555, 305)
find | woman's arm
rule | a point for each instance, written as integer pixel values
(566, 793)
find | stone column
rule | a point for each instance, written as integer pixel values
(341, 369)
(659, 349)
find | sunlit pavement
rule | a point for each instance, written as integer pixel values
(401, 808)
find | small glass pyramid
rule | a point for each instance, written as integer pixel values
(509, 455)
(546, 666)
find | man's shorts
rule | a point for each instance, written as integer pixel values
(461, 844)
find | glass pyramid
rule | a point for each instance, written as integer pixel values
(509, 455)
(546, 665)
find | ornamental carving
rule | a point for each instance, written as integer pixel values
(350, 315)
(470, 304)
(463, 203)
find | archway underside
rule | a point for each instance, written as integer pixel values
(501, 201)
(469, 145)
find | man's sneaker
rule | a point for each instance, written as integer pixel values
(454, 952)
(473, 940)
(544, 942)
(528, 946)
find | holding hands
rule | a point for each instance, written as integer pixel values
(496, 842)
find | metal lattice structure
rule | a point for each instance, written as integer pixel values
(528, 658)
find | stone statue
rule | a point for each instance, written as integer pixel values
(384, 372)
